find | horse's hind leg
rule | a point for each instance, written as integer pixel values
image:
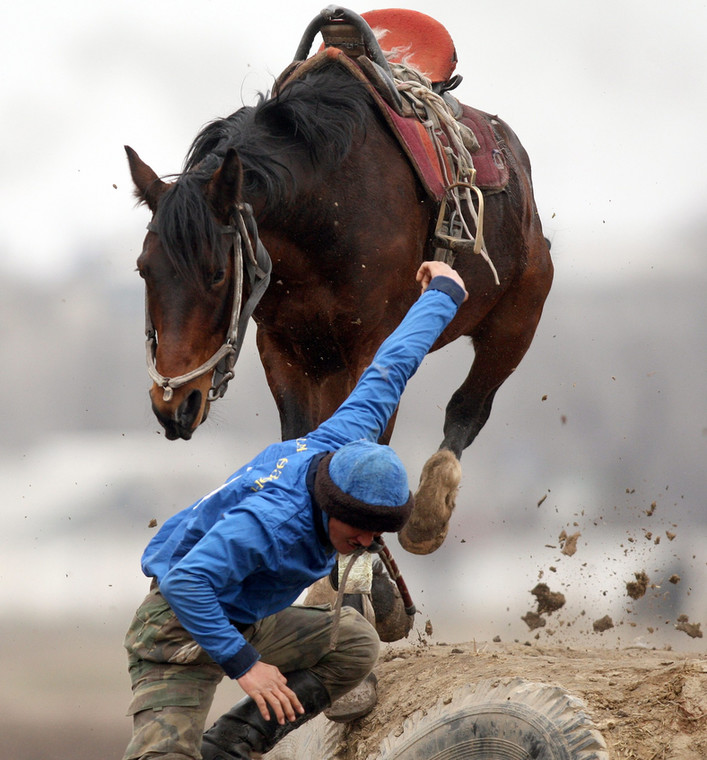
(500, 342)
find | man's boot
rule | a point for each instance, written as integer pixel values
(243, 730)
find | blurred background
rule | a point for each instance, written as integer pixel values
(601, 431)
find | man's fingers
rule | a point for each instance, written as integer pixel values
(283, 704)
(293, 701)
(262, 706)
(288, 704)
(267, 686)
(276, 706)
(423, 275)
(429, 269)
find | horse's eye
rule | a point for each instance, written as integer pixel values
(218, 276)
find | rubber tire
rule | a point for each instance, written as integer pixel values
(318, 739)
(509, 719)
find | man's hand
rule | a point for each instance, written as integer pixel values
(430, 269)
(266, 685)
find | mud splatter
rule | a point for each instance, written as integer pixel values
(636, 589)
(691, 629)
(548, 601)
(603, 624)
(533, 620)
(568, 543)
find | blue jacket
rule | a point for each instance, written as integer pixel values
(248, 549)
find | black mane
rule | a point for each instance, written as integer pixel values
(188, 230)
(313, 120)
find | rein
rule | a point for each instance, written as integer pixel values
(247, 250)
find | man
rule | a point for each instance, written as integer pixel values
(227, 570)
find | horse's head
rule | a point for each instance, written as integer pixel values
(191, 265)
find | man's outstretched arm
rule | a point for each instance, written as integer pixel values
(367, 410)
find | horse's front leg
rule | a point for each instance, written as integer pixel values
(500, 342)
(466, 413)
(293, 389)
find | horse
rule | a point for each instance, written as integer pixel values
(314, 176)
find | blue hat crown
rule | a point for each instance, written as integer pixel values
(371, 473)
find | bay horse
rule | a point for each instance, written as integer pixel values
(315, 176)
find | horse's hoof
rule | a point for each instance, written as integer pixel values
(416, 542)
(427, 527)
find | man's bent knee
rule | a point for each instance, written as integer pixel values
(354, 656)
(358, 639)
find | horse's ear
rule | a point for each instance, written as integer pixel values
(224, 188)
(148, 186)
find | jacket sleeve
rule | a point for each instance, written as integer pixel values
(369, 407)
(233, 549)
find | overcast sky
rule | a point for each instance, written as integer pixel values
(608, 97)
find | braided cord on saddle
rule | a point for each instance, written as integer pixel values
(456, 163)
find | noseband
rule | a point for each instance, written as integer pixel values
(247, 251)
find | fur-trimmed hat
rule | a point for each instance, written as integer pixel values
(364, 485)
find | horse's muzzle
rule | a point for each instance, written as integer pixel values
(183, 421)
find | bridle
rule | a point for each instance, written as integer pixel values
(247, 251)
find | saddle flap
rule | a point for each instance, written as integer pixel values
(492, 172)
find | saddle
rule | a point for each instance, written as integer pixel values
(451, 146)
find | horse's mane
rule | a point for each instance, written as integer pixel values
(313, 118)
(312, 121)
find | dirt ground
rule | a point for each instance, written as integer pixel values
(65, 691)
(648, 704)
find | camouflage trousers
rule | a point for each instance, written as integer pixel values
(174, 680)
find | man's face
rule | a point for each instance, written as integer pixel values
(346, 539)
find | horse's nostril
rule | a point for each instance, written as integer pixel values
(189, 409)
